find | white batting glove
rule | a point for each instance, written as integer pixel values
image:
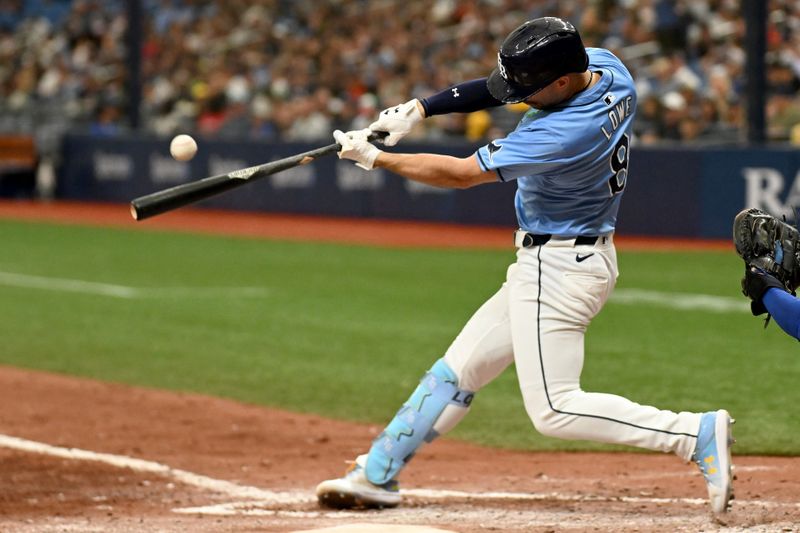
(356, 147)
(398, 121)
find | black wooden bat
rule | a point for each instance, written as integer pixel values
(188, 193)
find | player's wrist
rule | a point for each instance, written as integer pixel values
(379, 161)
(420, 108)
(369, 157)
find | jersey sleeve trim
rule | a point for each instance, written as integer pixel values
(484, 167)
(481, 162)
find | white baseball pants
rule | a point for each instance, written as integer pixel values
(537, 320)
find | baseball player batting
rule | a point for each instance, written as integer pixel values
(569, 157)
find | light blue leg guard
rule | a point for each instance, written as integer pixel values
(414, 422)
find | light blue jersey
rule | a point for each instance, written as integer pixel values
(571, 161)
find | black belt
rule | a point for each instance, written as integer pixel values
(531, 239)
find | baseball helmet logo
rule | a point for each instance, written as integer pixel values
(501, 67)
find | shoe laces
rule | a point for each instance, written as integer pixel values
(352, 468)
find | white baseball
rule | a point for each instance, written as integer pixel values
(183, 147)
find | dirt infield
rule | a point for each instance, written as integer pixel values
(81, 455)
(254, 469)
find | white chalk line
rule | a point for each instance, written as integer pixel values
(681, 301)
(256, 501)
(671, 300)
(11, 279)
(690, 472)
(261, 508)
(227, 488)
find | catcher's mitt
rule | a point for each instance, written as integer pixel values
(769, 244)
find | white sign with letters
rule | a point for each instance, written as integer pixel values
(763, 190)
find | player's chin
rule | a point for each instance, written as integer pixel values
(539, 104)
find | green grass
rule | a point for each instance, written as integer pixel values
(346, 331)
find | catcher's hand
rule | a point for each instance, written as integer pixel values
(768, 244)
(754, 284)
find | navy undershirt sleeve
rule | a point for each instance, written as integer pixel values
(465, 97)
(785, 310)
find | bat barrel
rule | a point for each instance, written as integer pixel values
(180, 195)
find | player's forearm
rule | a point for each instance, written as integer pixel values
(432, 169)
(785, 309)
(465, 97)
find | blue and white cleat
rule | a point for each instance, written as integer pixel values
(354, 491)
(713, 455)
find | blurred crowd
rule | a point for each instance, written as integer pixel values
(297, 69)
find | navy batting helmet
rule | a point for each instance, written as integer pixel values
(535, 55)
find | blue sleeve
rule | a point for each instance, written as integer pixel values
(465, 97)
(524, 152)
(785, 310)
